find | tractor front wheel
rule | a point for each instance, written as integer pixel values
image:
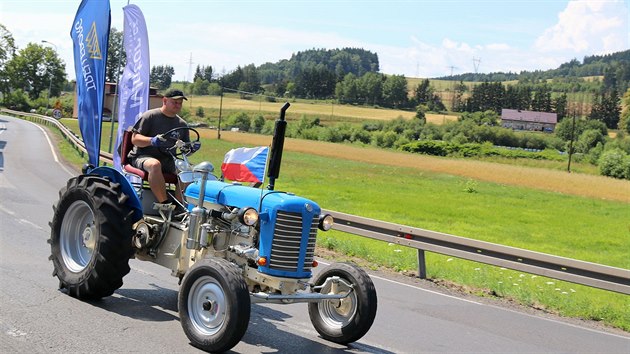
(346, 320)
(214, 305)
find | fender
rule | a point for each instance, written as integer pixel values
(115, 176)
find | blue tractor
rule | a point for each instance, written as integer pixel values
(233, 244)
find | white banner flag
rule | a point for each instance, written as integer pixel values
(133, 87)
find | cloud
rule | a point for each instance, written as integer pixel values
(588, 27)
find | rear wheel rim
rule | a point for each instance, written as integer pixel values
(78, 236)
(207, 305)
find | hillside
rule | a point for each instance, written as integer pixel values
(595, 65)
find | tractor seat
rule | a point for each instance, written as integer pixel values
(126, 147)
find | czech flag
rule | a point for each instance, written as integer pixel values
(245, 164)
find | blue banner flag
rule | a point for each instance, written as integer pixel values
(90, 36)
(134, 84)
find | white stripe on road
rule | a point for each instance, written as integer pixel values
(497, 307)
(52, 150)
(415, 287)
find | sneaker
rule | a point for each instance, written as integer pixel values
(164, 206)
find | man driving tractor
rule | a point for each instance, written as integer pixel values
(149, 152)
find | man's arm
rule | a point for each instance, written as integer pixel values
(140, 140)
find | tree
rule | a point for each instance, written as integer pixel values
(542, 99)
(116, 56)
(395, 91)
(200, 87)
(423, 92)
(347, 90)
(458, 98)
(624, 123)
(34, 68)
(371, 88)
(606, 109)
(207, 73)
(560, 106)
(7, 51)
(161, 76)
(203, 72)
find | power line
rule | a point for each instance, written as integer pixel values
(476, 62)
(190, 63)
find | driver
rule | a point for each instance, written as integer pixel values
(150, 144)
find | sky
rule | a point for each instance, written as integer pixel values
(421, 38)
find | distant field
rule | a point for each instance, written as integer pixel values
(531, 177)
(332, 111)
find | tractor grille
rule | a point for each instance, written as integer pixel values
(287, 239)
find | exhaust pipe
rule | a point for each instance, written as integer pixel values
(277, 145)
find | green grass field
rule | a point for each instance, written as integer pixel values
(573, 226)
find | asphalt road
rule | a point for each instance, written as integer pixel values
(142, 317)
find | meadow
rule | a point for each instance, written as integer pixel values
(330, 113)
(574, 215)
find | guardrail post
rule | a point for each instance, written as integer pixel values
(422, 265)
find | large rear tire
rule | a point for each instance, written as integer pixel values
(90, 237)
(214, 305)
(347, 320)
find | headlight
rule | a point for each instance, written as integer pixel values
(248, 216)
(325, 222)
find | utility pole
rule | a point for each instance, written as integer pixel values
(452, 85)
(476, 62)
(51, 76)
(571, 142)
(190, 63)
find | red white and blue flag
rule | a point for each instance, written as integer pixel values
(245, 164)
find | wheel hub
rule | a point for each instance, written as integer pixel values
(89, 240)
(208, 305)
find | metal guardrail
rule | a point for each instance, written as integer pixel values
(571, 270)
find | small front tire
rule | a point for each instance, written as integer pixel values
(347, 320)
(214, 305)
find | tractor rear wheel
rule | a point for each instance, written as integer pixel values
(90, 237)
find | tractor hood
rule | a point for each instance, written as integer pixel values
(236, 195)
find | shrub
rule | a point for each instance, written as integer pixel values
(614, 163)
(240, 120)
(258, 124)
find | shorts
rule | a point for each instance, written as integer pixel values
(168, 164)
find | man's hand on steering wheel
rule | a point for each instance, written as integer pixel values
(159, 141)
(178, 147)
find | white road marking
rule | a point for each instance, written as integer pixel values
(52, 150)
(417, 288)
(496, 307)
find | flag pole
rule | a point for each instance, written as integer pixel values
(98, 151)
(116, 93)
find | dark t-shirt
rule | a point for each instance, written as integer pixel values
(152, 123)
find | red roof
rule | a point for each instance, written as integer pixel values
(529, 116)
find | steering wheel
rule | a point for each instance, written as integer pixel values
(179, 150)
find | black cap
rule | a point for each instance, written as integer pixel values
(175, 94)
